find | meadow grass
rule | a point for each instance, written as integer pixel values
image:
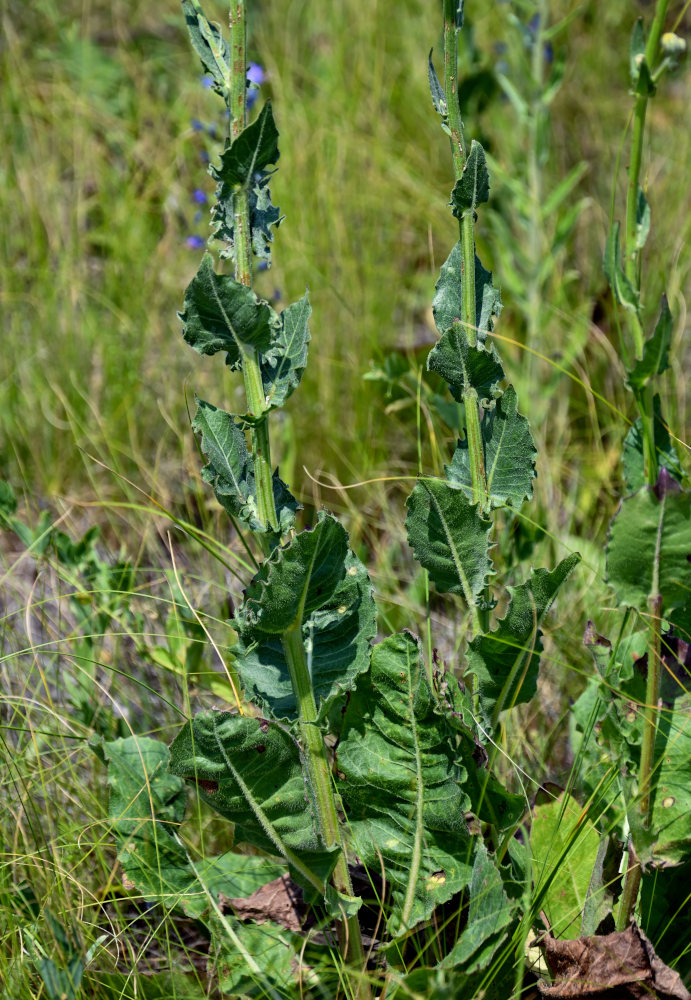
(98, 165)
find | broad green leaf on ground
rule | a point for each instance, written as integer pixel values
(448, 301)
(254, 149)
(649, 546)
(655, 358)
(402, 786)
(624, 291)
(313, 584)
(564, 845)
(220, 314)
(506, 661)
(489, 915)
(463, 366)
(250, 771)
(472, 187)
(282, 367)
(449, 538)
(633, 452)
(210, 46)
(509, 454)
(230, 470)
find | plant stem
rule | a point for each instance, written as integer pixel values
(254, 391)
(319, 771)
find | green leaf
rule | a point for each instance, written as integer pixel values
(622, 288)
(220, 314)
(283, 366)
(633, 456)
(509, 454)
(254, 149)
(250, 771)
(642, 219)
(649, 546)
(314, 584)
(210, 46)
(655, 358)
(449, 537)
(506, 661)
(230, 470)
(489, 915)
(401, 784)
(463, 366)
(448, 301)
(472, 187)
(564, 846)
(436, 89)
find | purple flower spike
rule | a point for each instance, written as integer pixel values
(199, 197)
(194, 242)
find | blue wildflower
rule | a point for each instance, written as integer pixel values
(194, 242)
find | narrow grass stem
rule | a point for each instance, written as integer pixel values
(317, 763)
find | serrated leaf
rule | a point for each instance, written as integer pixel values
(230, 470)
(463, 366)
(509, 454)
(564, 845)
(506, 661)
(220, 314)
(449, 538)
(250, 153)
(472, 187)
(489, 914)
(649, 546)
(250, 771)
(210, 46)
(317, 586)
(633, 455)
(642, 219)
(622, 288)
(436, 89)
(655, 358)
(283, 367)
(448, 301)
(402, 786)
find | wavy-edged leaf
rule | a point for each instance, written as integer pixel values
(254, 149)
(448, 300)
(221, 314)
(230, 470)
(463, 366)
(472, 187)
(210, 46)
(509, 454)
(316, 585)
(449, 537)
(283, 366)
(506, 661)
(655, 358)
(649, 546)
(633, 453)
(402, 785)
(251, 772)
(624, 291)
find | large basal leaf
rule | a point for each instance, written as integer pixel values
(402, 785)
(210, 46)
(506, 661)
(448, 300)
(509, 455)
(633, 455)
(564, 845)
(283, 366)
(649, 546)
(316, 585)
(464, 366)
(230, 470)
(250, 771)
(221, 314)
(655, 358)
(472, 187)
(449, 537)
(254, 149)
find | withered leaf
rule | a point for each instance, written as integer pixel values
(279, 901)
(618, 966)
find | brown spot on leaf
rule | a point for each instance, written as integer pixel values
(618, 966)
